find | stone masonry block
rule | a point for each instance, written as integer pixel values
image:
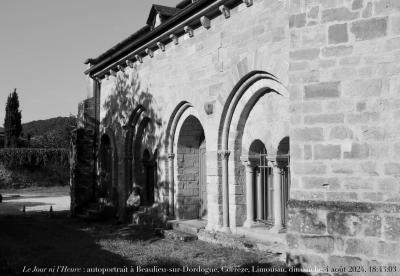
(340, 132)
(320, 244)
(358, 151)
(337, 262)
(362, 88)
(313, 13)
(306, 222)
(392, 228)
(338, 34)
(308, 134)
(336, 51)
(338, 14)
(369, 29)
(324, 119)
(373, 225)
(309, 168)
(347, 224)
(320, 182)
(395, 25)
(322, 152)
(386, 6)
(357, 4)
(322, 90)
(392, 168)
(305, 54)
(389, 251)
(357, 247)
(367, 12)
(297, 20)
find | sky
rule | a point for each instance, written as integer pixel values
(43, 44)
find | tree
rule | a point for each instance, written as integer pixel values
(12, 121)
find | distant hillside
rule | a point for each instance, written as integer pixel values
(50, 133)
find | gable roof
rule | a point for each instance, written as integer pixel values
(164, 11)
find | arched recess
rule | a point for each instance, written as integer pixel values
(108, 177)
(173, 144)
(170, 151)
(239, 104)
(144, 163)
(191, 175)
(131, 128)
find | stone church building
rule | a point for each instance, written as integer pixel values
(269, 119)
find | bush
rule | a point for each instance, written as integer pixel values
(33, 158)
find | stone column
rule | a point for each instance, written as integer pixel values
(225, 190)
(260, 194)
(250, 170)
(171, 209)
(277, 195)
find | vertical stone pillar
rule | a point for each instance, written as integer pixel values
(277, 195)
(260, 194)
(225, 190)
(250, 170)
(171, 209)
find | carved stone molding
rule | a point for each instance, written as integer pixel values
(120, 68)
(129, 63)
(224, 154)
(149, 52)
(113, 73)
(161, 46)
(225, 11)
(107, 76)
(171, 155)
(205, 22)
(248, 2)
(174, 39)
(139, 58)
(189, 31)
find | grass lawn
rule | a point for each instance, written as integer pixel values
(44, 242)
(38, 191)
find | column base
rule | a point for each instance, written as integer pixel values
(226, 229)
(249, 223)
(278, 229)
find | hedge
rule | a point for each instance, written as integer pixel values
(33, 157)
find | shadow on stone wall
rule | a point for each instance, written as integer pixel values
(132, 118)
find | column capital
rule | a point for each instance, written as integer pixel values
(249, 161)
(224, 154)
(171, 155)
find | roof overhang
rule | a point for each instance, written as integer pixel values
(146, 38)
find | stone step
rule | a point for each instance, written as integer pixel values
(191, 227)
(178, 236)
(274, 248)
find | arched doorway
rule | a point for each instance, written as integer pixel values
(191, 192)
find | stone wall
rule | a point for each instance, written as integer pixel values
(188, 201)
(344, 77)
(82, 157)
(201, 70)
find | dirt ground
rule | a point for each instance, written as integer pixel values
(47, 243)
(35, 243)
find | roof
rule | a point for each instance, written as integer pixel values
(184, 10)
(144, 30)
(164, 11)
